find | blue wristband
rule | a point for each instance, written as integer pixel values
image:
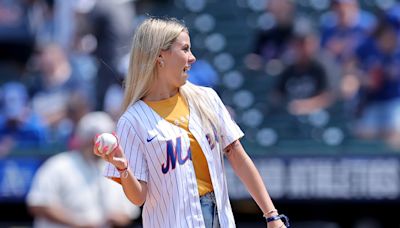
(282, 217)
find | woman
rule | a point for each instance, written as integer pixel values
(173, 136)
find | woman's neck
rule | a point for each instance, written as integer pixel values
(160, 93)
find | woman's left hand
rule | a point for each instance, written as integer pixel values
(276, 224)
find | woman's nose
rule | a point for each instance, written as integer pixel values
(192, 58)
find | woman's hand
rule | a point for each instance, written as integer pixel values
(115, 157)
(276, 224)
(135, 190)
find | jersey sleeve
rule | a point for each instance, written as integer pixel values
(133, 148)
(230, 131)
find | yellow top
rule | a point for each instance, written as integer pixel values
(176, 111)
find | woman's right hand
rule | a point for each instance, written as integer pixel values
(115, 157)
(135, 190)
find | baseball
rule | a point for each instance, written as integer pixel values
(106, 143)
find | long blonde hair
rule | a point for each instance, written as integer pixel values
(153, 36)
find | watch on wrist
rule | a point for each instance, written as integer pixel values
(282, 217)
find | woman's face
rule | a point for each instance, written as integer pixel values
(177, 62)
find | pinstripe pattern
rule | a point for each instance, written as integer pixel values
(173, 198)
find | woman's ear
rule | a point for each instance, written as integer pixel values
(160, 61)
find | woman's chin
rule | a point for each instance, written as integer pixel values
(184, 82)
(185, 78)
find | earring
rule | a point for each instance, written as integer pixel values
(161, 63)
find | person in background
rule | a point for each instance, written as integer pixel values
(378, 100)
(53, 21)
(69, 190)
(344, 28)
(51, 88)
(274, 43)
(78, 106)
(16, 39)
(20, 127)
(304, 84)
(111, 23)
(203, 73)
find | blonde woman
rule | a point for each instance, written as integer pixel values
(173, 136)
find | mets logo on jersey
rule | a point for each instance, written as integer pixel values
(212, 138)
(174, 155)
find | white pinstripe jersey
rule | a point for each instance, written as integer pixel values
(159, 154)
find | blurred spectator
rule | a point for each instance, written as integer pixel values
(394, 12)
(273, 42)
(69, 189)
(20, 128)
(344, 28)
(78, 105)
(114, 95)
(52, 87)
(304, 84)
(378, 107)
(203, 73)
(16, 38)
(111, 24)
(113, 101)
(54, 22)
